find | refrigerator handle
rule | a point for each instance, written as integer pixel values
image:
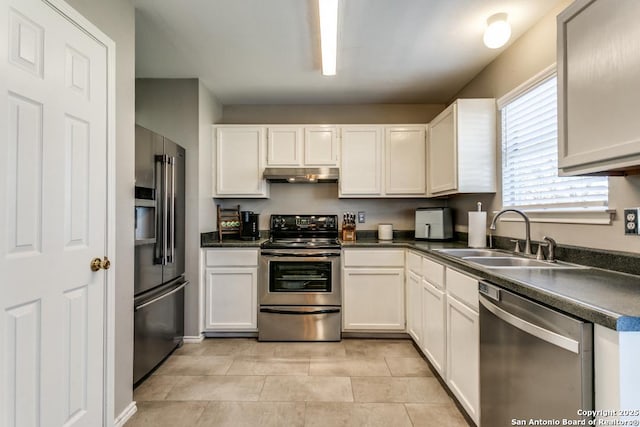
(163, 296)
(172, 225)
(160, 252)
(165, 212)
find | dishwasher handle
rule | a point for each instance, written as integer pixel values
(531, 329)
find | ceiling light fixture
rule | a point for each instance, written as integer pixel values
(328, 10)
(497, 32)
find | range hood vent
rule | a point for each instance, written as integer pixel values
(301, 175)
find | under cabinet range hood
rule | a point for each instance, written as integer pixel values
(301, 175)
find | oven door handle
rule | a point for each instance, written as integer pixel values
(275, 311)
(300, 255)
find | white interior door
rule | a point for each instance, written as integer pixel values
(53, 204)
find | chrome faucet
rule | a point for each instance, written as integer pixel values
(552, 248)
(527, 242)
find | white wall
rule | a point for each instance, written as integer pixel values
(531, 53)
(116, 19)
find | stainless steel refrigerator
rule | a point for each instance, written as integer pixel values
(159, 250)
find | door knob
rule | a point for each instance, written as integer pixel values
(98, 264)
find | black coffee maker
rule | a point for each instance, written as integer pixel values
(249, 225)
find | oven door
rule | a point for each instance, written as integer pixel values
(304, 278)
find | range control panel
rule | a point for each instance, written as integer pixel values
(304, 222)
(631, 220)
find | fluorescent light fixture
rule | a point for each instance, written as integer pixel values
(328, 35)
(497, 32)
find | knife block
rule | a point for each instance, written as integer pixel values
(349, 233)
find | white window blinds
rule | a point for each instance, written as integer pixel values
(530, 156)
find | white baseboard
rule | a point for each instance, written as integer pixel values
(193, 339)
(125, 415)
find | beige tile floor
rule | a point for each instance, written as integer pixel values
(242, 382)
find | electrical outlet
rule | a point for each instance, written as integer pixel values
(631, 220)
(361, 217)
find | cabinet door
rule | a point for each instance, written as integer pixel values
(320, 146)
(405, 153)
(442, 161)
(240, 162)
(231, 299)
(598, 87)
(433, 328)
(284, 146)
(373, 299)
(414, 307)
(463, 355)
(360, 161)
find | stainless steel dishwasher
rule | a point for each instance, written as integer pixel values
(535, 362)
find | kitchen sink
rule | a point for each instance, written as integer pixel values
(515, 262)
(464, 253)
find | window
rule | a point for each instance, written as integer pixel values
(530, 153)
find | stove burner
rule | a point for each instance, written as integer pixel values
(303, 232)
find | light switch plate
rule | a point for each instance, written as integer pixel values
(361, 217)
(631, 221)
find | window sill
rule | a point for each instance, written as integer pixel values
(591, 216)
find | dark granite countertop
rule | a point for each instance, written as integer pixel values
(210, 240)
(604, 297)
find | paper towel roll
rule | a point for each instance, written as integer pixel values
(477, 229)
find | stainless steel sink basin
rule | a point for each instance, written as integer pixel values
(464, 253)
(516, 262)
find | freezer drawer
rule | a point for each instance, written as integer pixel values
(299, 323)
(159, 327)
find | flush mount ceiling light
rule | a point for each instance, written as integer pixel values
(497, 32)
(328, 10)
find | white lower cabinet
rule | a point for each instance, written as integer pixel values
(434, 326)
(463, 341)
(414, 307)
(450, 332)
(231, 290)
(373, 290)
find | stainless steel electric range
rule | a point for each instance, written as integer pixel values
(300, 295)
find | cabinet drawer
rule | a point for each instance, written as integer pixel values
(433, 272)
(463, 287)
(374, 258)
(414, 263)
(231, 257)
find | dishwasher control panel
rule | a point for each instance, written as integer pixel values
(489, 290)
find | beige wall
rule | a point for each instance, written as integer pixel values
(331, 114)
(323, 199)
(528, 55)
(116, 19)
(171, 107)
(183, 110)
(210, 111)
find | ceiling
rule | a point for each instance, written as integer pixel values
(268, 51)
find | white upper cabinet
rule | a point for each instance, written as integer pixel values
(320, 146)
(405, 160)
(239, 161)
(284, 146)
(298, 146)
(383, 161)
(598, 87)
(462, 148)
(361, 161)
